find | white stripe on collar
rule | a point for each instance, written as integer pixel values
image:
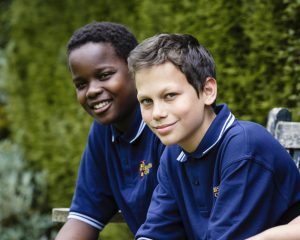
(230, 119)
(227, 124)
(141, 128)
(181, 157)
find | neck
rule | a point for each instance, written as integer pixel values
(194, 141)
(125, 122)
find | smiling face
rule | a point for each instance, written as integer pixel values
(170, 105)
(103, 85)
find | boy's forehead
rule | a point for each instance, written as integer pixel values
(161, 68)
(159, 76)
(91, 50)
(93, 47)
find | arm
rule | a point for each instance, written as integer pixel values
(77, 230)
(163, 220)
(92, 204)
(246, 202)
(289, 231)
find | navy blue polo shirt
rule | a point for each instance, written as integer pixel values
(117, 171)
(237, 183)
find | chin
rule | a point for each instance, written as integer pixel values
(103, 121)
(166, 141)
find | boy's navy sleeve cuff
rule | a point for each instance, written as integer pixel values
(86, 219)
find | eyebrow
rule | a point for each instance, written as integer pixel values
(161, 91)
(96, 70)
(139, 96)
(79, 78)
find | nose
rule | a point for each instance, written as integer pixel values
(95, 88)
(159, 111)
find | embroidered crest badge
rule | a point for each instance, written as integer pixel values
(216, 191)
(144, 168)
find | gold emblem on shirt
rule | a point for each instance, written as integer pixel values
(144, 168)
(216, 191)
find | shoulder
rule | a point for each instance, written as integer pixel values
(97, 131)
(98, 138)
(256, 138)
(250, 141)
(97, 127)
(248, 130)
(249, 136)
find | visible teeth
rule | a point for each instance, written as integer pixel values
(101, 105)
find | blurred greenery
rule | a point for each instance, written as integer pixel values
(256, 45)
(22, 195)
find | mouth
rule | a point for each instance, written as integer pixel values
(102, 106)
(164, 129)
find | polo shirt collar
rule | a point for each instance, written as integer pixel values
(133, 132)
(218, 127)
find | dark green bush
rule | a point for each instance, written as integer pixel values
(256, 45)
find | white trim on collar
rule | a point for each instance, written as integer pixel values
(227, 124)
(181, 157)
(229, 121)
(142, 126)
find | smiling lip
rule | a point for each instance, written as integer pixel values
(164, 129)
(101, 107)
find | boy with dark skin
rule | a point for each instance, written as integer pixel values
(219, 178)
(120, 161)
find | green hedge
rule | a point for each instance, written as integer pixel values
(256, 45)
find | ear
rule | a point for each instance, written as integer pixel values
(210, 91)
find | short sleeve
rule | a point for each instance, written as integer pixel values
(93, 201)
(163, 218)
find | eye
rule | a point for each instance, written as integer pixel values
(170, 96)
(102, 76)
(145, 102)
(79, 85)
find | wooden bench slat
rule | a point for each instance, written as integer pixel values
(275, 115)
(288, 134)
(61, 215)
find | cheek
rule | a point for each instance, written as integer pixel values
(189, 104)
(122, 80)
(182, 108)
(80, 97)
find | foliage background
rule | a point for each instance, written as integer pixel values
(256, 45)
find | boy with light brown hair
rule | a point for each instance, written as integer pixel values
(219, 178)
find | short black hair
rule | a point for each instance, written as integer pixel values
(121, 39)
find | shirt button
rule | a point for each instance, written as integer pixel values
(196, 182)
